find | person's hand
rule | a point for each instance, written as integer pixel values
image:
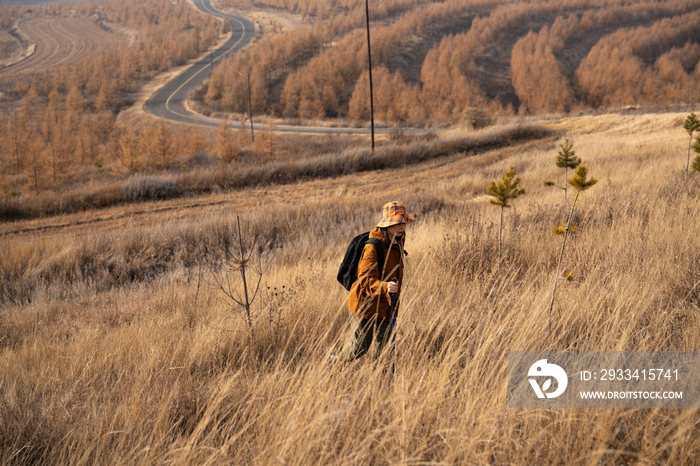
(393, 287)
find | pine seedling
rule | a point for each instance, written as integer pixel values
(696, 166)
(580, 182)
(566, 158)
(561, 230)
(504, 191)
(691, 125)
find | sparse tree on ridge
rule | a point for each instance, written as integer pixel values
(696, 166)
(198, 141)
(265, 142)
(20, 135)
(129, 144)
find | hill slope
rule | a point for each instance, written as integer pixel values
(117, 345)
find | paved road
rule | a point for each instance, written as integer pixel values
(169, 101)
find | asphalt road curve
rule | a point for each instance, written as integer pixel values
(169, 101)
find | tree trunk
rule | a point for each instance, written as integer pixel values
(500, 237)
(244, 262)
(561, 255)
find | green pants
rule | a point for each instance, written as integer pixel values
(364, 331)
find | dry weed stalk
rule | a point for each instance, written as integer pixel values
(579, 182)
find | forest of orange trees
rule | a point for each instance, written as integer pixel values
(55, 120)
(432, 62)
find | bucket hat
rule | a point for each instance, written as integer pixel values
(394, 213)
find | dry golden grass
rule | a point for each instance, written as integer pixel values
(100, 366)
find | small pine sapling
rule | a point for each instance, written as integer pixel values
(696, 166)
(566, 158)
(504, 191)
(580, 183)
(691, 125)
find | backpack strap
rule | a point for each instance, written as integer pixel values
(379, 247)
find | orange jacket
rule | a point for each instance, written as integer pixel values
(369, 295)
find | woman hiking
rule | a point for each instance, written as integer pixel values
(370, 300)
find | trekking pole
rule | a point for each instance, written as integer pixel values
(393, 323)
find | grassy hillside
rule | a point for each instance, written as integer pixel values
(115, 347)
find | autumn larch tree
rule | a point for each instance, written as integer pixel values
(226, 143)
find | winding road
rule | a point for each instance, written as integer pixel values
(169, 101)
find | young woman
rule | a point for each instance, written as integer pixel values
(371, 294)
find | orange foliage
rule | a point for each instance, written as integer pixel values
(392, 100)
(645, 65)
(226, 143)
(67, 115)
(534, 69)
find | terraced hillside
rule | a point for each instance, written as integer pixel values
(50, 42)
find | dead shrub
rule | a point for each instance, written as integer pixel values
(150, 188)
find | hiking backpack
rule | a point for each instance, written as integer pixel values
(347, 274)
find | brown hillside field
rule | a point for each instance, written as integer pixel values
(56, 41)
(116, 347)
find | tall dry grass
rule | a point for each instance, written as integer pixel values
(158, 370)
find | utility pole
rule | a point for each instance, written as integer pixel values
(250, 109)
(371, 93)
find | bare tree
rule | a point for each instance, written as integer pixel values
(241, 256)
